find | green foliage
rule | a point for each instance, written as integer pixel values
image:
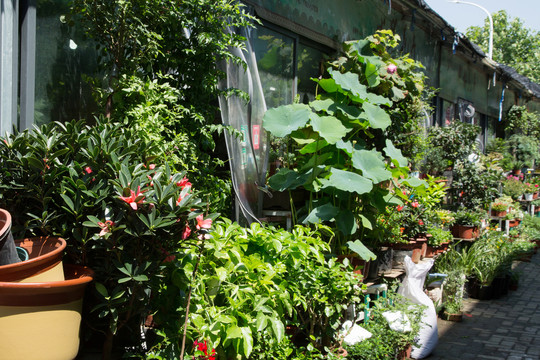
(521, 151)
(438, 236)
(475, 185)
(384, 342)
(513, 44)
(344, 154)
(448, 145)
(513, 187)
(453, 288)
(254, 282)
(107, 192)
(519, 120)
(467, 217)
(138, 42)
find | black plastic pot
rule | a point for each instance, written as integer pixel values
(8, 250)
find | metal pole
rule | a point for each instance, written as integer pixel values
(490, 47)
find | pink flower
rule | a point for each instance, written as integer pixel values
(88, 170)
(180, 198)
(535, 185)
(391, 69)
(414, 204)
(105, 227)
(152, 166)
(203, 224)
(134, 199)
(186, 232)
(183, 183)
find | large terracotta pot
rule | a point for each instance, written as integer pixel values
(41, 320)
(44, 264)
(464, 231)
(8, 251)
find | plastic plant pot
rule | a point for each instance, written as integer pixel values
(44, 263)
(8, 251)
(41, 320)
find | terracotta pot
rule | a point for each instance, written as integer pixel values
(535, 195)
(405, 353)
(464, 231)
(498, 213)
(413, 246)
(8, 251)
(44, 264)
(422, 242)
(41, 320)
(431, 251)
(514, 223)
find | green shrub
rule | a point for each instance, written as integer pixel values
(384, 342)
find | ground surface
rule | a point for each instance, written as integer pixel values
(507, 328)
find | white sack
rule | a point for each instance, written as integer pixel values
(397, 321)
(354, 333)
(413, 289)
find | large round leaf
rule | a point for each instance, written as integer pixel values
(377, 117)
(329, 127)
(349, 181)
(326, 212)
(395, 154)
(283, 120)
(372, 165)
(286, 179)
(349, 82)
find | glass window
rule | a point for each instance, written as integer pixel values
(310, 65)
(275, 61)
(65, 59)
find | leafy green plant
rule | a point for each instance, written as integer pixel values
(384, 342)
(467, 217)
(453, 289)
(251, 284)
(344, 157)
(107, 192)
(519, 120)
(450, 144)
(513, 187)
(438, 236)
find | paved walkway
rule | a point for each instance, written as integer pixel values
(507, 328)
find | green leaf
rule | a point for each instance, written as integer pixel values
(261, 321)
(328, 85)
(413, 182)
(314, 147)
(346, 222)
(366, 222)
(286, 179)
(325, 212)
(281, 121)
(361, 250)
(372, 165)
(68, 202)
(329, 127)
(377, 117)
(102, 290)
(372, 75)
(349, 181)
(278, 328)
(322, 105)
(350, 82)
(234, 332)
(247, 340)
(395, 154)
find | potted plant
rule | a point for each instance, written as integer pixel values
(528, 191)
(438, 242)
(453, 290)
(499, 208)
(466, 224)
(513, 187)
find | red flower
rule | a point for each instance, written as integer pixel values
(105, 227)
(399, 207)
(203, 224)
(414, 204)
(183, 183)
(180, 198)
(134, 198)
(88, 170)
(186, 232)
(420, 222)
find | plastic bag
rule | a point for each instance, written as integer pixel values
(413, 289)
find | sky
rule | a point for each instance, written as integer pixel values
(461, 16)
